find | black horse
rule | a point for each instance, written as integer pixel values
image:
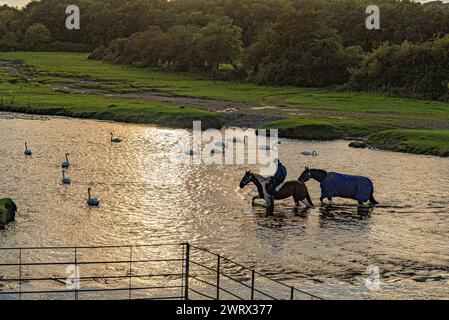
(341, 185)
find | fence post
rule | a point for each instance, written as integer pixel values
(130, 271)
(253, 277)
(20, 273)
(186, 281)
(76, 274)
(218, 277)
(292, 293)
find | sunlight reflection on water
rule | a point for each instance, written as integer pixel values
(146, 198)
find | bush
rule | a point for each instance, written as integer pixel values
(419, 70)
(302, 51)
(37, 38)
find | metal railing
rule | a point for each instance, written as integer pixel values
(180, 271)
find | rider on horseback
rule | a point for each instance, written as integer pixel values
(279, 176)
(275, 181)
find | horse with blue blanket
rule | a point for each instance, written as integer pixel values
(341, 185)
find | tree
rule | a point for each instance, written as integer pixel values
(3, 29)
(37, 37)
(255, 54)
(219, 42)
(182, 50)
(419, 70)
(303, 51)
(8, 42)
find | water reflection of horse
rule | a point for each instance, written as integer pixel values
(295, 189)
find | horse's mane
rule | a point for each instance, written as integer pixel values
(260, 178)
(319, 171)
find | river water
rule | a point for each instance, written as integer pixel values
(147, 198)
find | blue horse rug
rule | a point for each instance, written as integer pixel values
(346, 186)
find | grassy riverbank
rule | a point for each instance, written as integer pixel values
(430, 142)
(70, 84)
(37, 99)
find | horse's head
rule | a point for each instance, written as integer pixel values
(246, 179)
(305, 175)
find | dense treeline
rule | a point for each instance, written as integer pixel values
(418, 70)
(277, 42)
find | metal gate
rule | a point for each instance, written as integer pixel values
(160, 271)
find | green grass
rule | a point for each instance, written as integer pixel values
(37, 97)
(325, 129)
(430, 142)
(309, 113)
(4, 214)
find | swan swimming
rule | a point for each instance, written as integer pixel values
(192, 152)
(66, 163)
(93, 202)
(115, 140)
(27, 151)
(310, 153)
(219, 151)
(64, 179)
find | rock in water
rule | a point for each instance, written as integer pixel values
(8, 211)
(358, 145)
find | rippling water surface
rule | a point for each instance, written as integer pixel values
(147, 198)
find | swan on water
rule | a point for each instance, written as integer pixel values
(115, 140)
(310, 153)
(94, 202)
(219, 151)
(66, 163)
(27, 151)
(193, 152)
(64, 179)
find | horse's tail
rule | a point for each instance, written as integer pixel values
(371, 198)
(306, 193)
(309, 199)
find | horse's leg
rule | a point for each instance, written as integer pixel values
(372, 200)
(270, 205)
(270, 209)
(297, 200)
(254, 200)
(309, 199)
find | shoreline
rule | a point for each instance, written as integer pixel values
(384, 140)
(70, 85)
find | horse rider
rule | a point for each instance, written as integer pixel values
(280, 175)
(276, 181)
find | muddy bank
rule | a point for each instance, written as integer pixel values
(232, 114)
(175, 121)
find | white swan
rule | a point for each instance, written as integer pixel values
(93, 202)
(66, 163)
(27, 151)
(219, 151)
(237, 140)
(115, 140)
(220, 144)
(310, 153)
(192, 152)
(64, 179)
